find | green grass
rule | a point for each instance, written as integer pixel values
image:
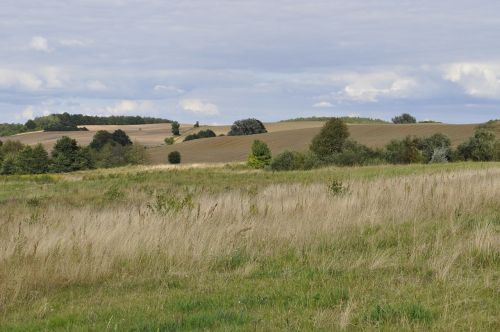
(290, 290)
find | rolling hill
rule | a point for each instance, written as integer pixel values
(236, 148)
(293, 135)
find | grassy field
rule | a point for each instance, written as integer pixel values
(226, 248)
(294, 135)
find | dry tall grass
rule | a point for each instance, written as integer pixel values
(150, 234)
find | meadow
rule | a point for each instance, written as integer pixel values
(154, 248)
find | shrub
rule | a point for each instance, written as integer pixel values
(169, 140)
(136, 154)
(431, 144)
(440, 155)
(403, 151)
(103, 137)
(354, 154)
(8, 165)
(480, 147)
(260, 155)
(404, 119)
(174, 157)
(196, 125)
(176, 128)
(331, 139)
(201, 134)
(247, 127)
(496, 156)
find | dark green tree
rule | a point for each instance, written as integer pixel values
(404, 119)
(403, 151)
(120, 137)
(174, 157)
(101, 138)
(8, 165)
(30, 125)
(247, 127)
(331, 139)
(176, 128)
(480, 147)
(68, 156)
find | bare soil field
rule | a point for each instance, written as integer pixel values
(236, 148)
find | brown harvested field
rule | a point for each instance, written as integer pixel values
(281, 136)
(236, 148)
(149, 135)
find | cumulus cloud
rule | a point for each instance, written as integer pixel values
(96, 86)
(199, 107)
(370, 87)
(477, 79)
(39, 43)
(323, 104)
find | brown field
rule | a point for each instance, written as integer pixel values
(281, 136)
(236, 148)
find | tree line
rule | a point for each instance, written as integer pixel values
(74, 122)
(106, 150)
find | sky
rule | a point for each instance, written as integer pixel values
(216, 61)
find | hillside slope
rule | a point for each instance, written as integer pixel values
(236, 148)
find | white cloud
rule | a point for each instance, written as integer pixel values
(168, 89)
(19, 79)
(371, 87)
(128, 106)
(28, 113)
(75, 42)
(96, 86)
(39, 43)
(199, 107)
(53, 76)
(323, 104)
(477, 79)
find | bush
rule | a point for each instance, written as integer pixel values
(196, 125)
(431, 144)
(176, 128)
(247, 127)
(480, 147)
(201, 134)
(331, 139)
(355, 154)
(260, 155)
(404, 119)
(440, 155)
(403, 151)
(174, 157)
(8, 165)
(103, 137)
(169, 140)
(497, 151)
